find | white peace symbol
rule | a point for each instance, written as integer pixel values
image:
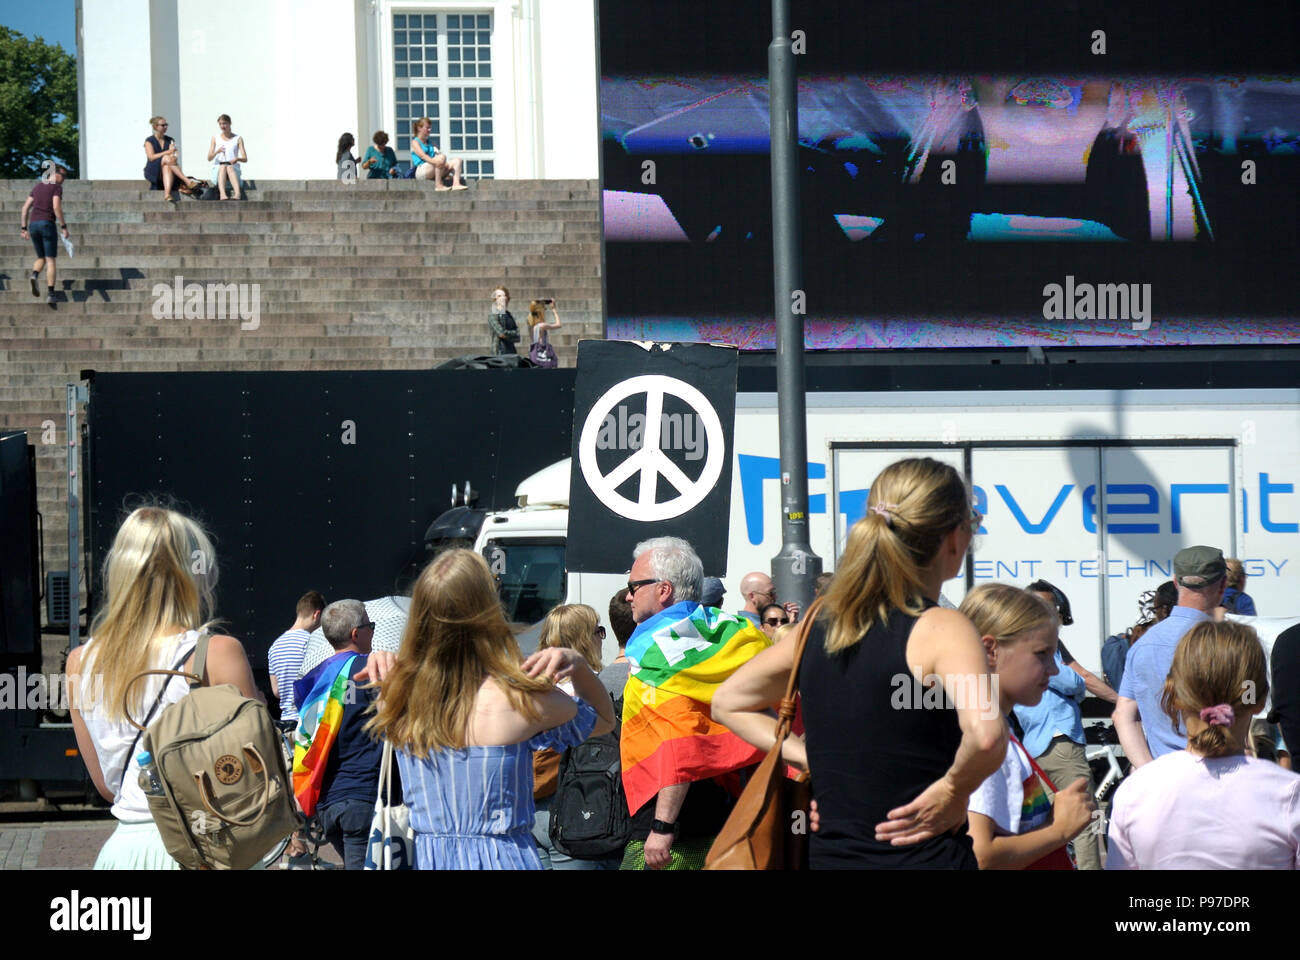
(650, 461)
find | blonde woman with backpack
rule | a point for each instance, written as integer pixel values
(159, 579)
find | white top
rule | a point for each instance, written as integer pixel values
(1185, 812)
(1001, 797)
(113, 738)
(227, 150)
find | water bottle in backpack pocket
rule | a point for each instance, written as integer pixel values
(215, 779)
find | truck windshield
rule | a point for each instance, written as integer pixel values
(530, 575)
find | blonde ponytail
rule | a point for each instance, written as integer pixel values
(912, 506)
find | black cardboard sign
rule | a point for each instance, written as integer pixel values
(653, 427)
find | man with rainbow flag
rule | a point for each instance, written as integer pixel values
(335, 763)
(672, 749)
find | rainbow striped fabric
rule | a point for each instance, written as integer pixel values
(1035, 803)
(679, 657)
(320, 714)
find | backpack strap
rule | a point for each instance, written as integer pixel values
(200, 659)
(149, 716)
(200, 652)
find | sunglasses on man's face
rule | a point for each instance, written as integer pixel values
(634, 585)
(776, 621)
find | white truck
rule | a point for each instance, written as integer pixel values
(1094, 491)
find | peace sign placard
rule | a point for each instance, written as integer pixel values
(652, 435)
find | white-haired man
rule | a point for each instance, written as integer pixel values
(344, 788)
(667, 773)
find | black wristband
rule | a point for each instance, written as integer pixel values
(659, 826)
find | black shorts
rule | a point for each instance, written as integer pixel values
(44, 238)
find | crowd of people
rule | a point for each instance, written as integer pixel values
(488, 742)
(380, 162)
(227, 154)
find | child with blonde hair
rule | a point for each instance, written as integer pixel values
(1014, 821)
(1210, 806)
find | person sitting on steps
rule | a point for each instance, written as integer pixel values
(226, 152)
(429, 162)
(164, 168)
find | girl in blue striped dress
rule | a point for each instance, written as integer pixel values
(465, 716)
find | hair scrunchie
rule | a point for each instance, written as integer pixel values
(883, 509)
(1219, 716)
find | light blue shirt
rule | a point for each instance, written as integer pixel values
(428, 146)
(1056, 714)
(1145, 670)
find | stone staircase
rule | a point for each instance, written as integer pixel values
(380, 275)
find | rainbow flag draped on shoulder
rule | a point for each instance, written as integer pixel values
(320, 715)
(679, 658)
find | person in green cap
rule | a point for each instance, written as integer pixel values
(1145, 730)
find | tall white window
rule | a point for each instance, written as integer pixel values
(442, 69)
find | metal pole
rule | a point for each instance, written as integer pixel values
(76, 394)
(796, 567)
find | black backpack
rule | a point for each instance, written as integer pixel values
(589, 818)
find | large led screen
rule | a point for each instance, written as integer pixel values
(985, 203)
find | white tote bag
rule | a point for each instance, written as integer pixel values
(392, 841)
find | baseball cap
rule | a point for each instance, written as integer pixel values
(1198, 566)
(712, 593)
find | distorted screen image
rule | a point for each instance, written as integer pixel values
(957, 209)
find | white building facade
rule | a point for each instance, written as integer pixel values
(510, 85)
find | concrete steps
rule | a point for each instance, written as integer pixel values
(382, 275)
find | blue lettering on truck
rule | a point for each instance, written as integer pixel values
(1130, 507)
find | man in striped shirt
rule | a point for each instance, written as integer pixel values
(285, 656)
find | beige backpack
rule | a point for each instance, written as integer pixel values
(226, 799)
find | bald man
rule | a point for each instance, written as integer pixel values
(759, 591)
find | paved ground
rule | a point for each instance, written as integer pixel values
(70, 845)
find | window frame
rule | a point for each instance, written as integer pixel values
(480, 164)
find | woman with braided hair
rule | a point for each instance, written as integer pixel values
(1210, 807)
(894, 740)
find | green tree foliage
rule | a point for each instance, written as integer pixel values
(38, 105)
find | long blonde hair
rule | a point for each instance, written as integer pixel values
(1006, 613)
(536, 312)
(161, 572)
(573, 625)
(912, 505)
(1215, 663)
(455, 635)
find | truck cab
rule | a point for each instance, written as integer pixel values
(525, 549)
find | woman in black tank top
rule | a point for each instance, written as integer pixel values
(893, 760)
